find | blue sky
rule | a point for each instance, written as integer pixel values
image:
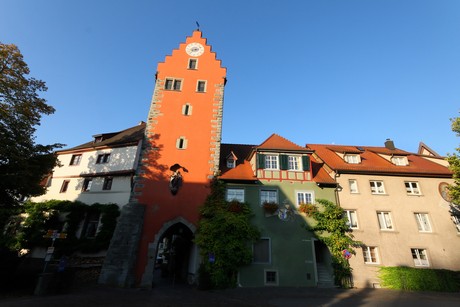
(352, 72)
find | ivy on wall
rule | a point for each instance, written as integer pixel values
(25, 227)
(332, 229)
(224, 235)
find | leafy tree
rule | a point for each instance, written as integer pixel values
(223, 236)
(454, 164)
(333, 230)
(23, 163)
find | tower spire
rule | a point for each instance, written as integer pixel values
(197, 25)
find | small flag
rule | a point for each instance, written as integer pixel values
(197, 24)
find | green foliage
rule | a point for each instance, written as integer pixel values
(29, 223)
(332, 229)
(413, 279)
(23, 164)
(224, 233)
(454, 165)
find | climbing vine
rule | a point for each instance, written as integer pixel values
(26, 227)
(223, 236)
(332, 229)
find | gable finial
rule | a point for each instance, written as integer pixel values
(198, 25)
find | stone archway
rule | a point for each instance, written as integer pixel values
(172, 255)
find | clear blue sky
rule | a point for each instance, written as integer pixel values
(349, 72)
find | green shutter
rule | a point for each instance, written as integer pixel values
(260, 161)
(306, 163)
(283, 162)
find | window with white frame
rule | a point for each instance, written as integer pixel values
(268, 196)
(420, 257)
(370, 254)
(352, 158)
(353, 184)
(201, 86)
(271, 161)
(294, 163)
(377, 187)
(261, 251)
(181, 143)
(423, 222)
(187, 109)
(412, 188)
(231, 163)
(305, 197)
(385, 221)
(192, 63)
(235, 194)
(399, 160)
(271, 277)
(173, 84)
(352, 218)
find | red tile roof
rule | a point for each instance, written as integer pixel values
(279, 143)
(373, 162)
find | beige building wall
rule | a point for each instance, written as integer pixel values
(442, 243)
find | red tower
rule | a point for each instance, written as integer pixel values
(180, 156)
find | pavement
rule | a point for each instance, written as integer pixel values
(181, 295)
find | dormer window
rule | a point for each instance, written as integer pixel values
(399, 160)
(231, 162)
(352, 158)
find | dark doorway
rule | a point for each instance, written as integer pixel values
(173, 254)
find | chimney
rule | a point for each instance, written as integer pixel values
(389, 144)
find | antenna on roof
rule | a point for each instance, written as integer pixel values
(198, 25)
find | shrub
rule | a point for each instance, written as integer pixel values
(414, 279)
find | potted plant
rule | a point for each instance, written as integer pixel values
(308, 209)
(270, 207)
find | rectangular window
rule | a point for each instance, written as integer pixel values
(181, 143)
(87, 185)
(420, 257)
(261, 251)
(271, 162)
(235, 194)
(103, 158)
(294, 163)
(75, 160)
(173, 84)
(377, 187)
(201, 86)
(187, 109)
(352, 159)
(400, 161)
(305, 198)
(271, 277)
(64, 187)
(423, 223)
(370, 254)
(352, 218)
(412, 188)
(192, 63)
(91, 225)
(107, 183)
(353, 184)
(268, 196)
(385, 222)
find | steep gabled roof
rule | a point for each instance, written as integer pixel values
(276, 142)
(242, 170)
(373, 163)
(113, 139)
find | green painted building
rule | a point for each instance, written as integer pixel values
(279, 180)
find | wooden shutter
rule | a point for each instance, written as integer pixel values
(283, 162)
(260, 161)
(306, 163)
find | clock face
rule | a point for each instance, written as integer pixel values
(194, 49)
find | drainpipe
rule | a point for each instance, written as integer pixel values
(337, 189)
